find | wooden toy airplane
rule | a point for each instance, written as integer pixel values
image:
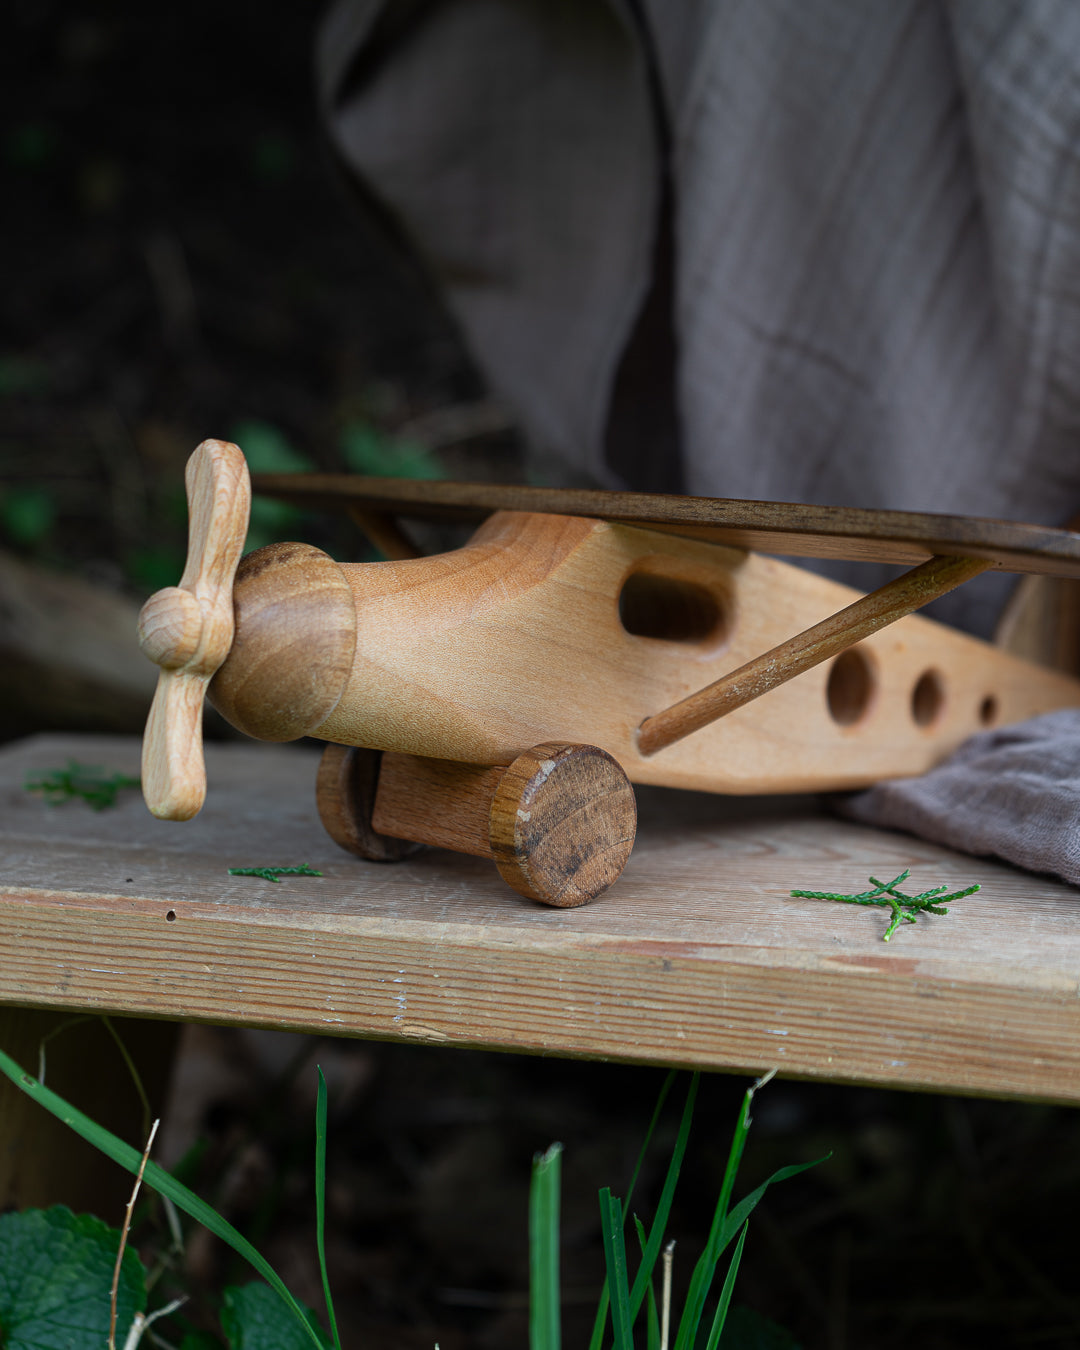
(499, 699)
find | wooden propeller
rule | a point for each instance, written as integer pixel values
(187, 630)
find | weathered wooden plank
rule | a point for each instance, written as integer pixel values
(697, 956)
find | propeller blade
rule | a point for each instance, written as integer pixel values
(173, 770)
(187, 630)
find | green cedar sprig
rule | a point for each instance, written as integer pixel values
(905, 908)
(96, 786)
(274, 873)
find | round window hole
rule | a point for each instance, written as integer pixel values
(927, 698)
(850, 688)
(988, 711)
(670, 609)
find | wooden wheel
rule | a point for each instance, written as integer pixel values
(562, 825)
(559, 822)
(345, 790)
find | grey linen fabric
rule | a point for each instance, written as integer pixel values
(1012, 793)
(801, 250)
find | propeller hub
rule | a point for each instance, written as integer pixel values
(170, 627)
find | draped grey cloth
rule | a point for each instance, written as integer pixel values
(803, 250)
(1011, 793)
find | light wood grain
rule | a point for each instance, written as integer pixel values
(1041, 621)
(526, 635)
(295, 635)
(696, 956)
(187, 630)
(558, 822)
(853, 624)
(436, 802)
(787, 528)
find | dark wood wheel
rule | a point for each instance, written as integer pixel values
(563, 820)
(345, 793)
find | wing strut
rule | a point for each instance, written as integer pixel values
(890, 602)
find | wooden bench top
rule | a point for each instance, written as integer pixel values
(697, 957)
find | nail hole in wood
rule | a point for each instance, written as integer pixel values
(988, 711)
(850, 688)
(927, 698)
(671, 610)
(171, 916)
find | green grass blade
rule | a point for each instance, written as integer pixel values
(738, 1143)
(611, 1223)
(703, 1271)
(746, 1206)
(157, 1179)
(545, 1306)
(652, 1320)
(660, 1100)
(320, 1202)
(667, 1194)
(133, 1074)
(596, 1340)
(725, 1293)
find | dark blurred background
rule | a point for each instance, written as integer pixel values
(181, 260)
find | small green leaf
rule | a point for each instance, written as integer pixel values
(159, 1180)
(56, 1272)
(253, 1317)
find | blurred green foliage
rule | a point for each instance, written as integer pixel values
(367, 450)
(154, 567)
(27, 515)
(268, 450)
